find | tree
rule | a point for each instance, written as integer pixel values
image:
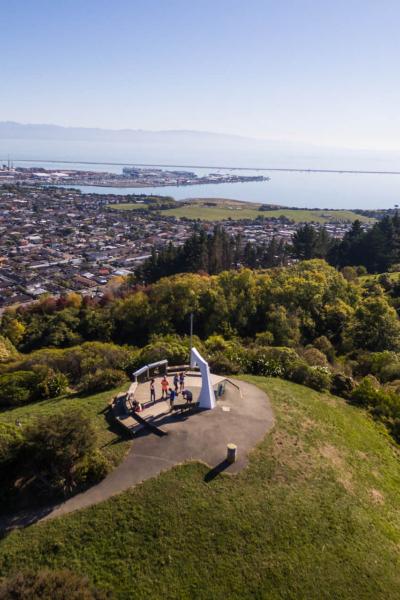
(376, 249)
(14, 330)
(305, 242)
(375, 326)
(55, 444)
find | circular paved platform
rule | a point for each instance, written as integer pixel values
(244, 416)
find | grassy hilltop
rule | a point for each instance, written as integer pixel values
(219, 209)
(315, 515)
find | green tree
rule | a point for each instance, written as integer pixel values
(54, 446)
(375, 326)
(305, 242)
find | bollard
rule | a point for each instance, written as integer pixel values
(231, 453)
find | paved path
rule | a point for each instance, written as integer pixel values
(242, 417)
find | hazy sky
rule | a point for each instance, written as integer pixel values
(321, 71)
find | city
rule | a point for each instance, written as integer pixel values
(130, 177)
(55, 240)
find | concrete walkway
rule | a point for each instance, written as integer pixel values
(243, 417)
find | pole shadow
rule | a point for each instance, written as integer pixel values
(213, 473)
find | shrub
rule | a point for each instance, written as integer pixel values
(216, 343)
(51, 384)
(269, 361)
(265, 338)
(221, 364)
(171, 347)
(390, 372)
(49, 585)
(324, 345)
(318, 378)
(17, 388)
(54, 447)
(393, 386)
(76, 362)
(92, 468)
(314, 357)
(7, 351)
(261, 365)
(342, 385)
(298, 371)
(101, 380)
(10, 441)
(366, 393)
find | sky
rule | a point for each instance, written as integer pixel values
(315, 71)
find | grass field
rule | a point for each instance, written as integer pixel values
(314, 516)
(129, 206)
(206, 213)
(109, 442)
(234, 209)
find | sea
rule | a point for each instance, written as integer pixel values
(301, 189)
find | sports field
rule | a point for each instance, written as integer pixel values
(219, 209)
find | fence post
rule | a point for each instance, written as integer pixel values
(231, 453)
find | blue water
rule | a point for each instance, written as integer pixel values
(303, 190)
(297, 189)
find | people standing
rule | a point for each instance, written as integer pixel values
(176, 382)
(172, 396)
(152, 391)
(164, 388)
(181, 381)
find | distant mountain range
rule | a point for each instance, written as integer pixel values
(49, 132)
(183, 147)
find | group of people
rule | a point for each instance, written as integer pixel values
(171, 393)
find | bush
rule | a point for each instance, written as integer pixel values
(222, 365)
(171, 347)
(92, 468)
(298, 371)
(101, 380)
(390, 372)
(7, 351)
(324, 345)
(393, 386)
(342, 385)
(54, 447)
(265, 338)
(216, 343)
(270, 361)
(318, 378)
(267, 367)
(10, 441)
(367, 393)
(314, 357)
(76, 362)
(21, 387)
(49, 585)
(17, 388)
(51, 384)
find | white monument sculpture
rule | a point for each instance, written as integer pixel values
(207, 396)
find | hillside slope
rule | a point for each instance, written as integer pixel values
(314, 516)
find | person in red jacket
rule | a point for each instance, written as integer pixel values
(164, 387)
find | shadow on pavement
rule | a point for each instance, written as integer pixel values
(213, 473)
